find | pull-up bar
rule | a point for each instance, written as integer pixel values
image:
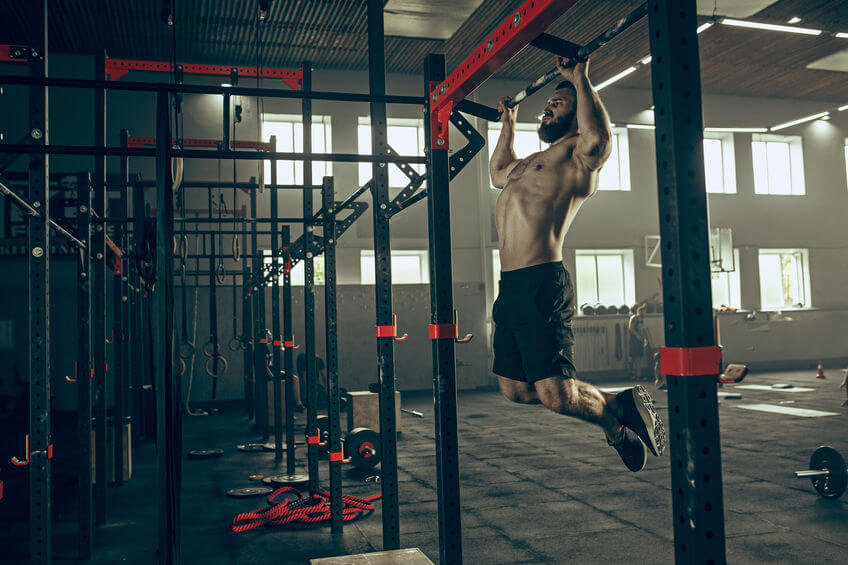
(559, 47)
(116, 68)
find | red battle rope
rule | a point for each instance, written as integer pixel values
(301, 510)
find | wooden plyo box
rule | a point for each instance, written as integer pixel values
(365, 410)
(396, 557)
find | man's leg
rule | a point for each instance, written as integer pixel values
(518, 391)
(578, 399)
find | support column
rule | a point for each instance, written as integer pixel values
(85, 518)
(260, 368)
(383, 278)
(441, 315)
(247, 321)
(276, 340)
(288, 344)
(38, 233)
(695, 460)
(168, 423)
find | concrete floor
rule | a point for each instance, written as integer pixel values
(536, 488)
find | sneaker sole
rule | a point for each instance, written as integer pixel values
(652, 430)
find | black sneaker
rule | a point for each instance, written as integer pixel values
(636, 411)
(631, 449)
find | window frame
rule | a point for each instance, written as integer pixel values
(364, 169)
(728, 161)
(298, 275)
(424, 265)
(733, 281)
(795, 146)
(628, 273)
(802, 278)
(295, 119)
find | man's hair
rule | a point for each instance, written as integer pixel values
(567, 85)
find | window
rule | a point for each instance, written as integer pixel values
(408, 267)
(605, 277)
(726, 287)
(406, 137)
(719, 167)
(289, 131)
(298, 273)
(784, 278)
(846, 157)
(778, 164)
(496, 272)
(615, 174)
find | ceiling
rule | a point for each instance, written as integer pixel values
(333, 35)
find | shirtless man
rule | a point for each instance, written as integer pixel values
(533, 340)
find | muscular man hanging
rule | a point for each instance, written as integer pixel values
(541, 195)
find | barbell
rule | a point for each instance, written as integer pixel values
(827, 472)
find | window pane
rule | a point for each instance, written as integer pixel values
(408, 267)
(789, 275)
(610, 280)
(404, 140)
(406, 270)
(713, 166)
(366, 268)
(771, 287)
(761, 177)
(780, 179)
(496, 270)
(587, 287)
(609, 178)
(721, 290)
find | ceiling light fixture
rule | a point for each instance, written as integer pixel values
(615, 78)
(640, 126)
(704, 27)
(842, 108)
(226, 85)
(646, 60)
(770, 27)
(794, 20)
(737, 130)
(842, 35)
(800, 121)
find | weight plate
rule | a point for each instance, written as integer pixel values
(286, 480)
(256, 477)
(205, 453)
(247, 492)
(832, 486)
(362, 447)
(250, 447)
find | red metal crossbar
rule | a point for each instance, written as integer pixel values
(213, 143)
(522, 26)
(116, 68)
(15, 53)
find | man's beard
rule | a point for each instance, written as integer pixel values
(555, 129)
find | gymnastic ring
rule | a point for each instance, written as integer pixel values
(210, 363)
(182, 366)
(238, 344)
(186, 350)
(220, 273)
(183, 247)
(236, 248)
(209, 349)
(176, 172)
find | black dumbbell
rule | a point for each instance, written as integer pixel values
(827, 472)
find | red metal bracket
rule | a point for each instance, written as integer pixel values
(338, 456)
(289, 342)
(22, 463)
(287, 261)
(690, 361)
(521, 27)
(116, 68)
(448, 331)
(390, 331)
(16, 53)
(440, 122)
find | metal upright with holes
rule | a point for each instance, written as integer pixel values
(247, 320)
(38, 233)
(118, 349)
(276, 339)
(310, 380)
(85, 518)
(442, 313)
(383, 279)
(288, 344)
(168, 428)
(260, 369)
(332, 348)
(695, 459)
(98, 254)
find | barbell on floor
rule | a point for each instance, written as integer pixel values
(827, 473)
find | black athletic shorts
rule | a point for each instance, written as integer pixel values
(532, 315)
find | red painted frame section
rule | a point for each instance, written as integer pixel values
(116, 68)
(534, 17)
(690, 361)
(212, 143)
(6, 53)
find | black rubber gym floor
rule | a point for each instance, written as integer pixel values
(536, 488)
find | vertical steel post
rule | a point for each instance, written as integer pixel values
(260, 368)
(85, 518)
(288, 344)
(310, 380)
(442, 313)
(383, 279)
(695, 460)
(276, 339)
(38, 232)
(98, 253)
(141, 367)
(118, 338)
(247, 322)
(168, 429)
(331, 333)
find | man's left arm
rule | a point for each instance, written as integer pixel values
(593, 143)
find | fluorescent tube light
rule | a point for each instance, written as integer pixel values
(737, 130)
(704, 27)
(640, 126)
(794, 20)
(646, 60)
(617, 77)
(842, 35)
(842, 108)
(800, 121)
(771, 27)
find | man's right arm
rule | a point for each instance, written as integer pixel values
(503, 157)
